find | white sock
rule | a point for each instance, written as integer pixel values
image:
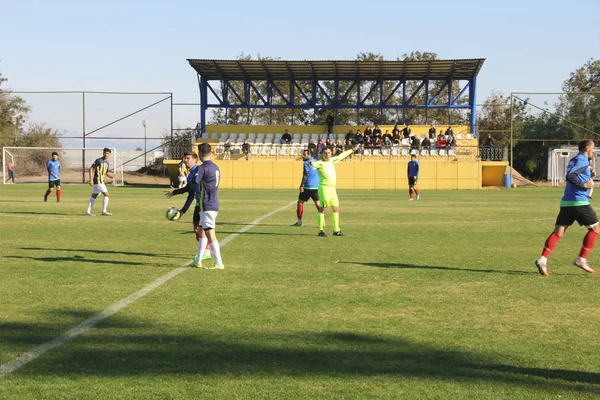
(582, 259)
(543, 260)
(104, 204)
(216, 252)
(90, 205)
(201, 248)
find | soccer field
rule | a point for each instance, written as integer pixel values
(436, 298)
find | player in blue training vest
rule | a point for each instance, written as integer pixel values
(412, 172)
(309, 187)
(53, 167)
(575, 206)
(191, 188)
(208, 178)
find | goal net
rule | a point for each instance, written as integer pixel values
(29, 164)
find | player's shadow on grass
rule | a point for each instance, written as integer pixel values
(35, 213)
(102, 251)
(268, 233)
(78, 259)
(248, 223)
(152, 352)
(437, 267)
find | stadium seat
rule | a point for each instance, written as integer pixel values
(395, 151)
(442, 152)
(469, 136)
(264, 152)
(452, 152)
(404, 152)
(278, 138)
(305, 136)
(261, 137)
(294, 150)
(269, 138)
(255, 149)
(304, 141)
(460, 136)
(232, 137)
(385, 152)
(251, 136)
(242, 137)
(433, 152)
(424, 152)
(223, 137)
(297, 136)
(405, 142)
(295, 141)
(415, 152)
(314, 137)
(214, 135)
(284, 150)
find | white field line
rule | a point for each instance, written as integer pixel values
(10, 367)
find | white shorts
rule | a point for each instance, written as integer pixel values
(208, 219)
(99, 188)
(182, 179)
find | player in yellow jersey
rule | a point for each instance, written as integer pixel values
(183, 173)
(327, 193)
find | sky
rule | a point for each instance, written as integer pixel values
(142, 46)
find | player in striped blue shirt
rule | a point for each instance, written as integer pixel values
(575, 206)
(53, 167)
(98, 171)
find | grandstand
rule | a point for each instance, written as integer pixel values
(270, 164)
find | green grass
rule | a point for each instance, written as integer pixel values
(431, 299)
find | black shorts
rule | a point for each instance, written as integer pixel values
(584, 215)
(309, 194)
(51, 184)
(412, 181)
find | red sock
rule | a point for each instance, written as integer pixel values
(588, 244)
(48, 192)
(410, 193)
(58, 194)
(299, 211)
(550, 244)
(417, 191)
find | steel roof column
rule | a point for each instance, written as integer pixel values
(203, 84)
(473, 104)
(450, 101)
(426, 101)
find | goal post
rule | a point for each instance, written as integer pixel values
(29, 164)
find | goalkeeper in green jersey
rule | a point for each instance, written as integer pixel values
(327, 193)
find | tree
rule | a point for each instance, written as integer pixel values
(580, 106)
(11, 106)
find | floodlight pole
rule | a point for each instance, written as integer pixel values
(511, 136)
(145, 153)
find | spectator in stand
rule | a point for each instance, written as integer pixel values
(368, 131)
(376, 131)
(486, 153)
(339, 147)
(312, 147)
(406, 132)
(320, 147)
(441, 142)
(395, 130)
(386, 135)
(226, 151)
(450, 140)
(396, 136)
(489, 142)
(368, 143)
(246, 149)
(350, 135)
(286, 138)
(415, 143)
(358, 138)
(387, 142)
(377, 144)
(449, 131)
(329, 144)
(426, 143)
(441, 135)
(432, 132)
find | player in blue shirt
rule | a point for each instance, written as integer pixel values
(191, 162)
(413, 174)
(309, 187)
(98, 171)
(575, 206)
(208, 178)
(53, 167)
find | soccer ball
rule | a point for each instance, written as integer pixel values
(173, 214)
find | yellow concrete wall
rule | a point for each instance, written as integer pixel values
(368, 175)
(415, 129)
